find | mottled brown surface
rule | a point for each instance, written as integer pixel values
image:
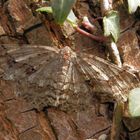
(20, 24)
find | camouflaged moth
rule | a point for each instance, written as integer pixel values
(48, 76)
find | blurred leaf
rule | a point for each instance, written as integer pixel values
(111, 25)
(134, 102)
(133, 5)
(45, 9)
(61, 9)
(72, 18)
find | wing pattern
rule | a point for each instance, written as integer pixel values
(47, 76)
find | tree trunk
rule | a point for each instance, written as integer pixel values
(21, 24)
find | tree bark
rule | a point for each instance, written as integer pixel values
(21, 24)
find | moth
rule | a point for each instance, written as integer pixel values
(47, 76)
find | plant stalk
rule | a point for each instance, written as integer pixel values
(117, 121)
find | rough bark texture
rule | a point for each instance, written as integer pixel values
(20, 24)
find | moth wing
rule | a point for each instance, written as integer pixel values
(106, 77)
(19, 62)
(43, 75)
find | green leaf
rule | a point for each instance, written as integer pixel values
(134, 102)
(111, 25)
(61, 9)
(45, 9)
(133, 5)
(71, 18)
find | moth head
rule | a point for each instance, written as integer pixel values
(67, 53)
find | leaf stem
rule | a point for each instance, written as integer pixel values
(97, 38)
(86, 23)
(96, 19)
